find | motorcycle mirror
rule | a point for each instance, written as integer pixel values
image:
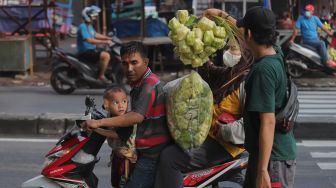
(110, 34)
(89, 102)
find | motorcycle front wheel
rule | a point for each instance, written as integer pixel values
(295, 71)
(60, 80)
(294, 65)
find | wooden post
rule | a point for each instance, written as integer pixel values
(30, 37)
(104, 17)
(98, 23)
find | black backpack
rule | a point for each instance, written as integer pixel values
(286, 116)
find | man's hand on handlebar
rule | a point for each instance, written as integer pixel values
(109, 43)
(90, 124)
(331, 33)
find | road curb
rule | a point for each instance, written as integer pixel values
(43, 124)
(58, 123)
(315, 128)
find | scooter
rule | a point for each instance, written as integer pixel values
(60, 170)
(304, 58)
(68, 73)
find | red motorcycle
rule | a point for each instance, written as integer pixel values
(61, 170)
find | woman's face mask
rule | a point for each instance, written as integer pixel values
(230, 59)
(308, 14)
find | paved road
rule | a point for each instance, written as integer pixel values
(36, 100)
(316, 162)
(313, 103)
(317, 103)
(21, 159)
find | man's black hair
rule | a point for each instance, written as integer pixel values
(134, 47)
(264, 38)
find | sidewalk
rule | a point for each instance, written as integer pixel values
(59, 123)
(55, 122)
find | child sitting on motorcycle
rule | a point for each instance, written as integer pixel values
(115, 102)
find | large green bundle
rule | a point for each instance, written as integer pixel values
(196, 38)
(189, 110)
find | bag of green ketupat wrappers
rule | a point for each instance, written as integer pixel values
(189, 110)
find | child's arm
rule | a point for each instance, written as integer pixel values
(108, 133)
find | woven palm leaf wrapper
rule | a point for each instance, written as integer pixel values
(197, 38)
(189, 99)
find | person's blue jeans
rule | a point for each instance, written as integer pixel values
(143, 175)
(321, 48)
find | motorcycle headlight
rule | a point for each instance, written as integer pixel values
(47, 162)
(51, 158)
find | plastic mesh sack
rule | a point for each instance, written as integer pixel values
(189, 110)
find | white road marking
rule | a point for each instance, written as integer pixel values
(327, 166)
(36, 140)
(317, 143)
(323, 154)
(43, 140)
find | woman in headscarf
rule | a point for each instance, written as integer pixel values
(225, 139)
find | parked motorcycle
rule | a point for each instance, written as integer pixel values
(61, 170)
(68, 73)
(303, 58)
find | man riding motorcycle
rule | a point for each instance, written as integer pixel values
(88, 39)
(308, 24)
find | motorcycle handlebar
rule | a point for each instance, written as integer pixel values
(97, 114)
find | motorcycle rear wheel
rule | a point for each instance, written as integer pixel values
(57, 83)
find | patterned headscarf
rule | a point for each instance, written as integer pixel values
(219, 77)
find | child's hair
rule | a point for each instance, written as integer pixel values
(113, 89)
(134, 47)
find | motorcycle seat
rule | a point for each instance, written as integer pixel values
(65, 52)
(214, 163)
(219, 162)
(71, 54)
(309, 47)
